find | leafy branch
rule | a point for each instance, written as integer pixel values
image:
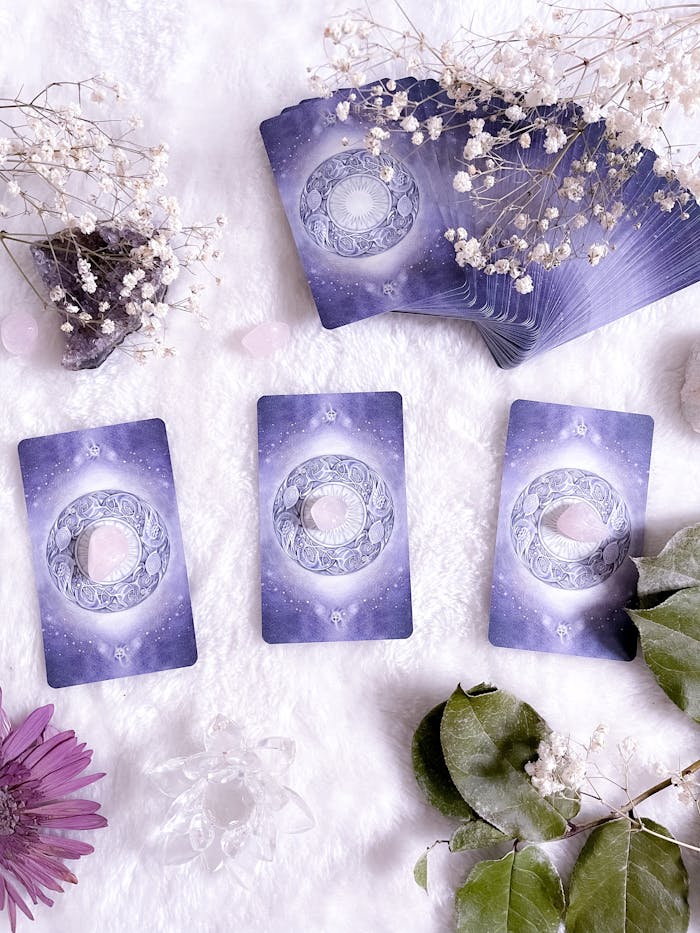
(489, 762)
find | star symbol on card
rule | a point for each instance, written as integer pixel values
(331, 415)
(93, 451)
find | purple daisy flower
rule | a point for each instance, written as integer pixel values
(39, 766)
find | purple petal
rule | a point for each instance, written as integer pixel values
(64, 847)
(13, 898)
(33, 873)
(70, 787)
(5, 727)
(30, 730)
(82, 821)
(44, 899)
(36, 757)
(64, 772)
(56, 808)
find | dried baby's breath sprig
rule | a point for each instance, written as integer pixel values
(92, 202)
(555, 118)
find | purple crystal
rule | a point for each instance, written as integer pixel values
(108, 250)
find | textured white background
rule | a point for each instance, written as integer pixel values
(204, 75)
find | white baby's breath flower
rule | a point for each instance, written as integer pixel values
(599, 737)
(67, 327)
(87, 222)
(524, 140)
(515, 113)
(417, 138)
(386, 173)
(342, 110)
(462, 182)
(524, 285)
(107, 326)
(559, 766)
(57, 294)
(627, 748)
(596, 252)
(433, 126)
(410, 124)
(555, 139)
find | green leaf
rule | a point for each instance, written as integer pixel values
(676, 568)
(420, 871)
(488, 736)
(476, 834)
(520, 893)
(670, 636)
(627, 881)
(431, 771)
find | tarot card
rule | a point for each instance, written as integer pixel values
(108, 556)
(572, 508)
(368, 228)
(333, 527)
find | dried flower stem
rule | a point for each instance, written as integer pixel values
(629, 808)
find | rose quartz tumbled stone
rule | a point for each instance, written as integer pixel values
(266, 339)
(19, 332)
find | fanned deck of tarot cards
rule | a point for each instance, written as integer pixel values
(370, 228)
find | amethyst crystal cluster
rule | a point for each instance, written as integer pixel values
(110, 253)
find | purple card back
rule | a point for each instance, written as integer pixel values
(573, 499)
(333, 526)
(108, 555)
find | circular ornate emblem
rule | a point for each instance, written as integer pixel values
(134, 572)
(347, 207)
(362, 535)
(555, 558)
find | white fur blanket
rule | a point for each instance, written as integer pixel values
(204, 75)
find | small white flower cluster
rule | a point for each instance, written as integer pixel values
(64, 168)
(537, 89)
(687, 788)
(559, 768)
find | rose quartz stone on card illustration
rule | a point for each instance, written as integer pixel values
(108, 548)
(329, 513)
(581, 522)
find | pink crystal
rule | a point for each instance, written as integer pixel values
(19, 332)
(108, 547)
(329, 513)
(266, 339)
(581, 522)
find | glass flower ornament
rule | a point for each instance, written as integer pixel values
(38, 767)
(228, 801)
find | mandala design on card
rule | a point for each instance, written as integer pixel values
(368, 515)
(348, 208)
(136, 571)
(555, 558)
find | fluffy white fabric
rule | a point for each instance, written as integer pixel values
(204, 75)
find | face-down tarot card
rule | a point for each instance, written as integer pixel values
(108, 556)
(333, 528)
(572, 509)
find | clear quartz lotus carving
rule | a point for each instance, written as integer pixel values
(229, 804)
